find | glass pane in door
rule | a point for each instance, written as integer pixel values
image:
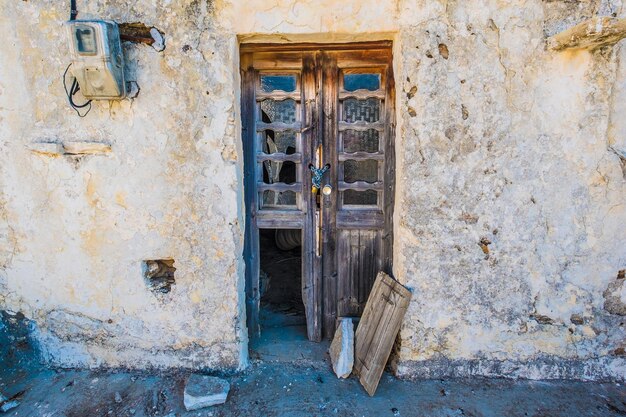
(360, 198)
(274, 111)
(360, 171)
(361, 110)
(361, 141)
(285, 83)
(285, 200)
(353, 82)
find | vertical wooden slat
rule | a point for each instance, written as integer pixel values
(364, 264)
(378, 328)
(311, 268)
(329, 206)
(353, 275)
(343, 253)
(390, 171)
(360, 270)
(251, 242)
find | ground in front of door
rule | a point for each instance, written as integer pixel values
(304, 388)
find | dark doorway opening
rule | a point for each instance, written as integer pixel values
(282, 318)
(281, 279)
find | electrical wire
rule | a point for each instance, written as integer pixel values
(73, 11)
(75, 88)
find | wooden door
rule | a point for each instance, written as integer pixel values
(316, 105)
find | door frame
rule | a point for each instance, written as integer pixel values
(315, 62)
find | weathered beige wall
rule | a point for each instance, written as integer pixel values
(78, 228)
(508, 145)
(502, 141)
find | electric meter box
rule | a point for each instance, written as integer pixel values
(97, 58)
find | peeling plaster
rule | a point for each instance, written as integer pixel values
(498, 140)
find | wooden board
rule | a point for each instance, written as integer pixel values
(390, 171)
(378, 328)
(251, 241)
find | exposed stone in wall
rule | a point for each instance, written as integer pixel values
(561, 15)
(615, 296)
(597, 32)
(159, 275)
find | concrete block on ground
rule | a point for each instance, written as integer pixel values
(342, 348)
(204, 391)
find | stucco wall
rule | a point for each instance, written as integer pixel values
(78, 228)
(498, 141)
(506, 152)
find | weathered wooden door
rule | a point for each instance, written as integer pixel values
(313, 106)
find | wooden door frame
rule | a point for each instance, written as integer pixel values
(318, 291)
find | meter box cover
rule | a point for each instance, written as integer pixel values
(97, 58)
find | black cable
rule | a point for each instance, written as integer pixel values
(75, 88)
(73, 11)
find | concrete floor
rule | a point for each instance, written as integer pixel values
(290, 378)
(298, 389)
(284, 339)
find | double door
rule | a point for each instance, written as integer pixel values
(318, 139)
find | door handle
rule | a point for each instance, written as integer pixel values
(317, 175)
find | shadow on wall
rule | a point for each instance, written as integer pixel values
(17, 347)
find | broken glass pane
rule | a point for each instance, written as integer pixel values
(273, 111)
(276, 172)
(283, 142)
(278, 200)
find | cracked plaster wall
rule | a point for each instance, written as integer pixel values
(77, 228)
(507, 144)
(499, 142)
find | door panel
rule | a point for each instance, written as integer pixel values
(363, 184)
(321, 104)
(360, 254)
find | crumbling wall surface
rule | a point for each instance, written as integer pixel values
(76, 229)
(511, 209)
(509, 214)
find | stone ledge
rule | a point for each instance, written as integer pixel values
(69, 148)
(545, 368)
(590, 34)
(86, 148)
(46, 148)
